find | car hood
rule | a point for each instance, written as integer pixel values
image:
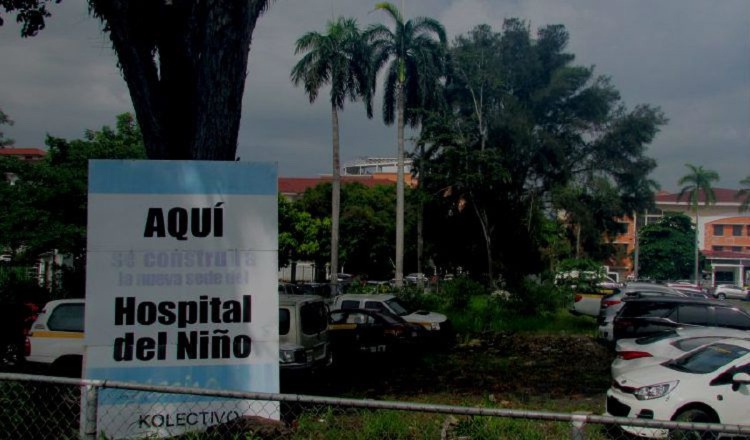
(425, 316)
(651, 375)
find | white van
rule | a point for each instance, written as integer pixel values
(303, 333)
(434, 322)
(55, 341)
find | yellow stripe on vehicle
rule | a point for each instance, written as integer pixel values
(342, 326)
(57, 334)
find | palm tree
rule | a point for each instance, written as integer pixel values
(412, 82)
(744, 194)
(695, 184)
(339, 58)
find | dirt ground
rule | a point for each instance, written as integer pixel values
(520, 366)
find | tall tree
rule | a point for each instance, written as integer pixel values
(697, 185)
(339, 58)
(414, 51)
(666, 248)
(5, 120)
(46, 207)
(185, 64)
(744, 194)
(523, 122)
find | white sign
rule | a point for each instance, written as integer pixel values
(181, 290)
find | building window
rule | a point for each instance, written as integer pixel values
(718, 248)
(736, 248)
(718, 229)
(737, 230)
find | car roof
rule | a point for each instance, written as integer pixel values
(370, 296)
(57, 302)
(678, 299)
(288, 300)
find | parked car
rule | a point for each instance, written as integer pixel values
(709, 385)
(303, 333)
(289, 289)
(363, 331)
(612, 303)
(416, 277)
(436, 323)
(588, 303)
(724, 291)
(669, 344)
(647, 316)
(55, 342)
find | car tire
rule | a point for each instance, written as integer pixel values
(721, 296)
(697, 416)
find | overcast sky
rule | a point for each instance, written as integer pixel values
(689, 57)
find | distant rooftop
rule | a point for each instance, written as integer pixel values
(29, 154)
(723, 196)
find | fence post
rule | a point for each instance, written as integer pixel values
(89, 412)
(578, 422)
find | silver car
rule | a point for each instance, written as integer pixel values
(724, 291)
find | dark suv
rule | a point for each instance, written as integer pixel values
(647, 316)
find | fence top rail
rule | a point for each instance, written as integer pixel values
(577, 418)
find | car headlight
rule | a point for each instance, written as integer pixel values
(655, 391)
(287, 356)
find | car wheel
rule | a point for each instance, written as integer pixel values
(721, 296)
(697, 416)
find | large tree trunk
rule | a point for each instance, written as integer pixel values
(185, 63)
(335, 202)
(400, 190)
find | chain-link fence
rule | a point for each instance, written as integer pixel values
(38, 407)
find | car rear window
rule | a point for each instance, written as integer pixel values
(645, 340)
(66, 318)
(350, 304)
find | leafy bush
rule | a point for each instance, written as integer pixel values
(534, 298)
(457, 293)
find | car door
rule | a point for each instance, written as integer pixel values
(342, 331)
(731, 318)
(731, 401)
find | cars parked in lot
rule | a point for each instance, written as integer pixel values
(303, 333)
(724, 291)
(651, 350)
(366, 331)
(709, 384)
(647, 316)
(55, 341)
(437, 323)
(612, 303)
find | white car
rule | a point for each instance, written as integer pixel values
(724, 291)
(55, 342)
(651, 350)
(436, 323)
(708, 385)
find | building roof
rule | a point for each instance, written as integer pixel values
(9, 151)
(298, 185)
(723, 196)
(725, 255)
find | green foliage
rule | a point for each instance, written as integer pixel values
(667, 248)
(46, 207)
(5, 120)
(535, 298)
(18, 284)
(743, 195)
(527, 133)
(456, 293)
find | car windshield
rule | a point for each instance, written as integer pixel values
(397, 307)
(707, 359)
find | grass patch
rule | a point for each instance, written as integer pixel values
(490, 314)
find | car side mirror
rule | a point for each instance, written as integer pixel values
(740, 379)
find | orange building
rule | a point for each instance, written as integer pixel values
(723, 235)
